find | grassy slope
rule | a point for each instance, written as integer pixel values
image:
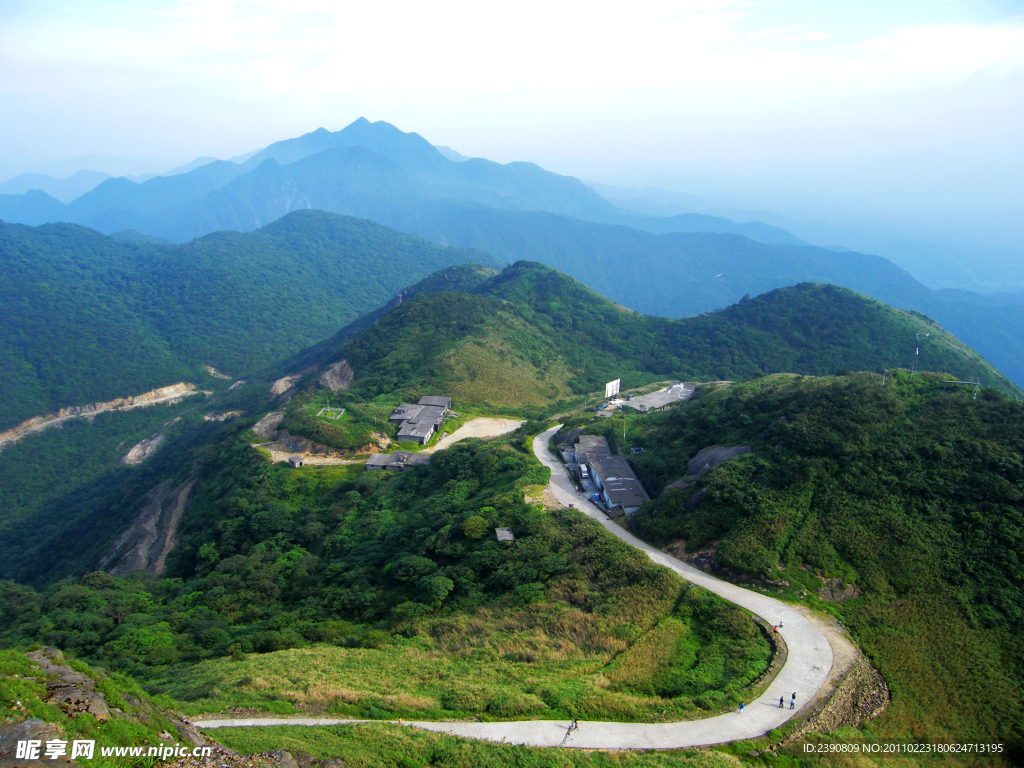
(912, 495)
(533, 336)
(92, 318)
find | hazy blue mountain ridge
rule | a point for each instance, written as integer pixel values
(65, 190)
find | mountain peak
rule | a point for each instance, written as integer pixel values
(380, 137)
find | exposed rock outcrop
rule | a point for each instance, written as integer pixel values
(76, 694)
(283, 384)
(153, 534)
(72, 691)
(836, 591)
(222, 416)
(338, 377)
(712, 456)
(267, 426)
(215, 373)
(143, 450)
(164, 395)
(31, 729)
(706, 459)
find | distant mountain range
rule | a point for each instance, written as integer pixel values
(341, 172)
(667, 265)
(64, 190)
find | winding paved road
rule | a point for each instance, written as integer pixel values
(805, 672)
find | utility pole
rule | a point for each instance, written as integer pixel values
(917, 356)
(885, 372)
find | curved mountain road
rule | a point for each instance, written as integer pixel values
(806, 669)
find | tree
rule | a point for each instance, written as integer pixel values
(475, 527)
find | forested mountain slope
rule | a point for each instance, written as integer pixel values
(897, 506)
(90, 318)
(532, 335)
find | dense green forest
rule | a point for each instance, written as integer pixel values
(91, 318)
(534, 336)
(272, 559)
(65, 497)
(910, 494)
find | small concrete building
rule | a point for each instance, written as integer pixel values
(398, 461)
(295, 461)
(505, 534)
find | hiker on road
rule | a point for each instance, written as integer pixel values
(782, 700)
(792, 701)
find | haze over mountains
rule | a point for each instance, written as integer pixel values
(667, 265)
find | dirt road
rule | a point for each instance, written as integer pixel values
(482, 427)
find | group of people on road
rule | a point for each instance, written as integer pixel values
(782, 702)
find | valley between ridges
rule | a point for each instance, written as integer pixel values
(817, 656)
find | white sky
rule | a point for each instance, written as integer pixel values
(914, 103)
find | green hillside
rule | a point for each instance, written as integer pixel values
(389, 579)
(908, 495)
(91, 318)
(531, 336)
(671, 266)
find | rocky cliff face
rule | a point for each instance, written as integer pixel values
(338, 377)
(153, 534)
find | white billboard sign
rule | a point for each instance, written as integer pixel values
(611, 389)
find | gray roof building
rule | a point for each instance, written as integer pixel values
(403, 412)
(594, 444)
(617, 482)
(420, 427)
(435, 400)
(417, 422)
(398, 461)
(505, 534)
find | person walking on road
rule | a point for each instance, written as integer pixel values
(782, 700)
(792, 701)
(741, 707)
